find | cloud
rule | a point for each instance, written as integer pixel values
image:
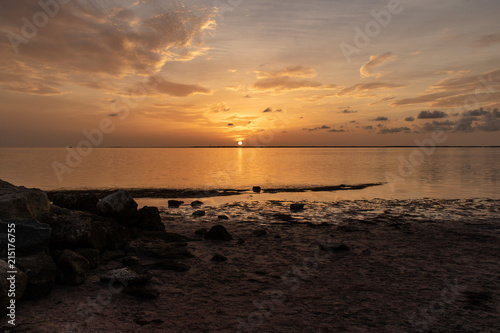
(426, 114)
(386, 130)
(348, 111)
(385, 99)
(380, 119)
(230, 124)
(220, 107)
(410, 119)
(318, 128)
(336, 130)
(376, 60)
(363, 87)
(487, 40)
(368, 128)
(285, 84)
(268, 110)
(293, 71)
(176, 89)
(469, 121)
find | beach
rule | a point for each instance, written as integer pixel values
(427, 265)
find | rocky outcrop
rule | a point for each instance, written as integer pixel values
(69, 231)
(196, 203)
(41, 272)
(297, 206)
(72, 268)
(149, 219)
(218, 232)
(174, 203)
(21, 202)
(121, 206)
(30, 235)
(256, 189)
(93, 256)
(85, 201)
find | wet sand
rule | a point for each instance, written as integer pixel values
(413, 266)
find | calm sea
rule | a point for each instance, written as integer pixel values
(407, 172)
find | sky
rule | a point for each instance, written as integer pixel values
(265, 72)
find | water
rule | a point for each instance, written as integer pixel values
(407, 172)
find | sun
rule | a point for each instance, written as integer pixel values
(240, 143)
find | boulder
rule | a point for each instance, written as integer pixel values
(41, 271)
(256, 189)
(85, 201)
(297, 206)
(149, 219)
(93, 256)
(30, 235)
(334, 247)
(21, 280)
(69, 231)
(109, 234)
(121, 206)
(21, 202)
(199, 213)
(174, 203)
(127, 275)
(218, 232)
(72, 268)
(196, 203)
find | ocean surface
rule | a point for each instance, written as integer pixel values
(406, 173)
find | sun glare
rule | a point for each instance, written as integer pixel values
(240, 143)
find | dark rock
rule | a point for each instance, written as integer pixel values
(158, 248)
(85, 201)
(196, 203)
(223, 217)
(72, 268)
(69, 231)
(260, 232)
(218, 232)
(297, 206)
(59, 210)
(107, 256)
(109, 233)
(41, 271)
(334, 247)
(121, 206)
(128, 276)
(21, 202)
(143, 292)
(131, 261)
(218, 258)
(168, 265)
(201, 231)
(174, 203)
(199, 213)
(30, 234)
(92, 255)
(283, 217)
(256, 189)
(21, 280)
(149, 219)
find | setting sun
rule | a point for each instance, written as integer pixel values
(240, 143)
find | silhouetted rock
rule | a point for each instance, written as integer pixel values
(334, 247)
(218, 232)
(174, 203)
(256, 189)
(21, 280)
(92, 255)
(260, 232)
(297, 206)
(69, 231)
(72, 268)
(218, 258)
(121, 206)
(21, 202)
(41, 272)
(201, 231)
(223, 217)
(84, 201)
(283, 217)
(196, 203)
(149, 219)
(30, 235)
(199, 213)
(109, 233)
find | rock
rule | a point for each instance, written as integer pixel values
(131, 261)
(85, 201)
(144, 292)
(283, 217)
(201, 231)
(158, 248)
(218, 232)
(199, 213)
(21, 202)
(128, 276)
(256, 189)
(107, 256)
(168, 265)
(260, 233)
(223, 217)
(69, 231)
(21, 280)
(174, 203)
(72, 268)
(334, 247)
(196, 203)
(218, 258)
(109, 233)
(149, 219)
(297, 206)
(121, 206)
(92, 255)
(41, 271)
(30, 235)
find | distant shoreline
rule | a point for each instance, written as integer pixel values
(191, 147)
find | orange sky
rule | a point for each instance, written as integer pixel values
(274, 72)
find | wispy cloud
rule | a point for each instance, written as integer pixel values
(376, 60)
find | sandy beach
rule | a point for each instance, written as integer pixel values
(411, 266)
